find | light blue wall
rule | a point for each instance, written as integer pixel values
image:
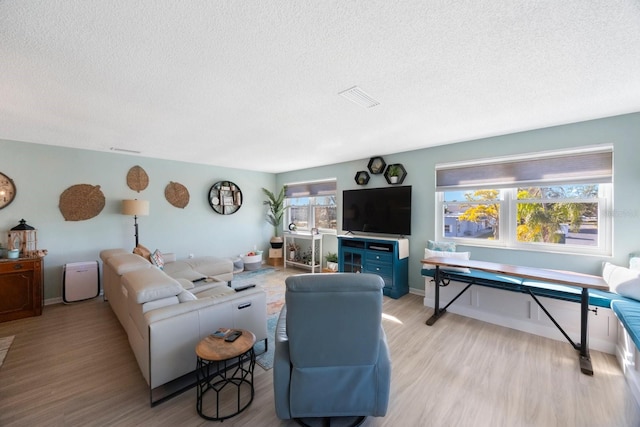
(41, 173)
(621, 131)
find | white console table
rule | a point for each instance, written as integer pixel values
(316, 255)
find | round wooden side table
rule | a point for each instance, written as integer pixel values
(226, 369)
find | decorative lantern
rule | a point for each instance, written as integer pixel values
(23, 237)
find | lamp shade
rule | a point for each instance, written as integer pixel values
(135, 207)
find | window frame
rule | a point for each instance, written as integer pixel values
(306, 191)
(508, 204)
(312, 215)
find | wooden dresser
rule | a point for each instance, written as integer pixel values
(21, 288)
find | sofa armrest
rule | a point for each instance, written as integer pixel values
(282, 368)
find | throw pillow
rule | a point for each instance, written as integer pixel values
(143, 252)
(621, 280)
(446, 254)
(441, 246)
(157, 260)
(634, 263)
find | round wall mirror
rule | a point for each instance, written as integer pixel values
(7, 190)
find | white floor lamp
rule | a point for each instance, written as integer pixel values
(136, 208)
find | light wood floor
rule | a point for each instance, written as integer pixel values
(72, 366)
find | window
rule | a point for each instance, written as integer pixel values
(472, 214)
(558, 215)
(548, 202)
(312, 205)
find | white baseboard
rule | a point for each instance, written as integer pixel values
(419, 292)
(59, 300)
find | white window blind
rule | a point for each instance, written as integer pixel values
(311, 189)
(581, 167)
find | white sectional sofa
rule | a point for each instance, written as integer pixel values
(165, 317)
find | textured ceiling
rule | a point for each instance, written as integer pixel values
(254, 84)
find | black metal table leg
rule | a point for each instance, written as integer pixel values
(215, 376)
(585, 358)
(436, 305)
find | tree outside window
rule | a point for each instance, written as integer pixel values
(553, 215)
(560, 215)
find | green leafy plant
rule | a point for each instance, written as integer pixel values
(276, 208)
(331, 257)
(394, 170)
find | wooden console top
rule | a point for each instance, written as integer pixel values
(554, 276)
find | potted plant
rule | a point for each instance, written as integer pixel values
(394, 173)
(332, 261)
(275, 214)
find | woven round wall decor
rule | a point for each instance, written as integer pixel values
(137, 179)
(177, 194)
(81, 202)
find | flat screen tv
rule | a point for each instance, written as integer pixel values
(385, 210)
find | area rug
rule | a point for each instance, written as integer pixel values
(5, 343)
(265, 360)
(244, 276)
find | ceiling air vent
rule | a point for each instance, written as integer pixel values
(360, 97)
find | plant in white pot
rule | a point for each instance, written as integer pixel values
(332, 261)
(394, 173)
(275, 214)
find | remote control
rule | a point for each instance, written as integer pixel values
(242, 288)
(233, 336)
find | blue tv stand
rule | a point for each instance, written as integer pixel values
(386, 257)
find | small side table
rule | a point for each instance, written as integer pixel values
(222, 366)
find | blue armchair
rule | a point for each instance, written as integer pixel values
(331, 353)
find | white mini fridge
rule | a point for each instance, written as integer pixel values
(80, 281)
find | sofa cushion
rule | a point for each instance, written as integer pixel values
(123, 263)
(185, 295)
(150, 284)
(182, 270)
(206, 285)
(628, 312)
(216, 292)
(187, 284)
(211, 266)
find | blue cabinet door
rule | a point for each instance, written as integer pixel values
(376, 256)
